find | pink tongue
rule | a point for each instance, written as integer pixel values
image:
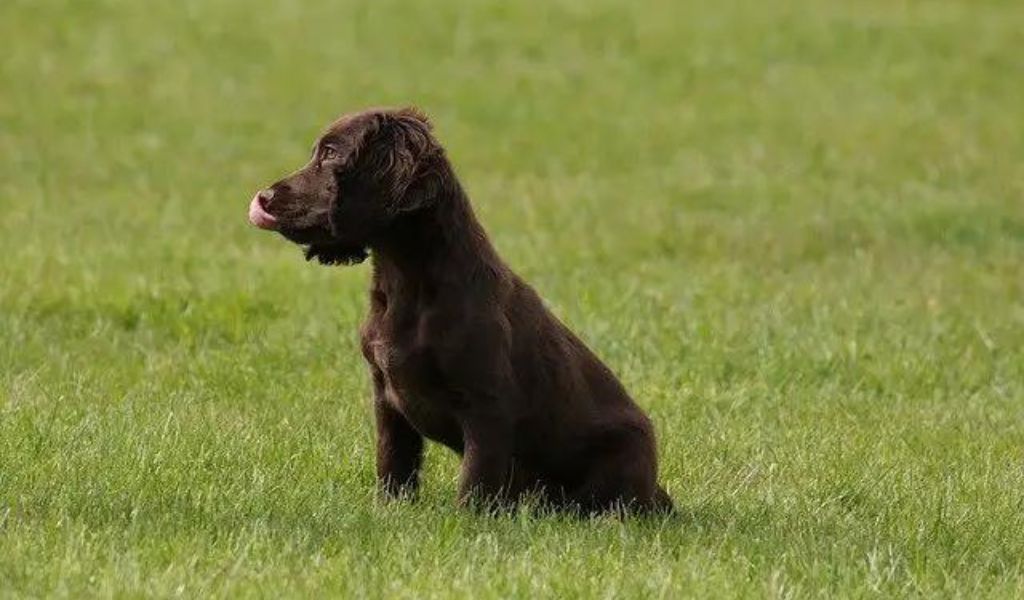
(260, 217)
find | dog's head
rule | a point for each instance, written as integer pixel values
(367, 170)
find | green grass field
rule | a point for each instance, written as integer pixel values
(795, 229)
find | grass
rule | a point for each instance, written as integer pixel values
(795, 229)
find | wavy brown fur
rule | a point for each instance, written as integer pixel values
(461, 350)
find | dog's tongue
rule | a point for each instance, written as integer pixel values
(259, 217)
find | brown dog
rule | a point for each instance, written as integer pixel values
(461, 350)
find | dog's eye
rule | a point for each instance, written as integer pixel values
(328, 153)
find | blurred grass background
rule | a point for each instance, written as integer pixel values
(794, 228)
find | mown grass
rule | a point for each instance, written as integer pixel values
(795, 229)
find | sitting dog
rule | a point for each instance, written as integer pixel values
(460, 349)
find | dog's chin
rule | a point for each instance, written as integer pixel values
(319, 245)
(336, 254)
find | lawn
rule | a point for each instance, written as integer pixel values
(795, 229)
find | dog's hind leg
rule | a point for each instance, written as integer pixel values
(622, 476)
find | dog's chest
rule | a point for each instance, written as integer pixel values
(414, 385)
(405, 365)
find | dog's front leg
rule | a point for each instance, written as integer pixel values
(486, 462)
(399, 450)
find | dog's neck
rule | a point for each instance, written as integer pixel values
(442, 244)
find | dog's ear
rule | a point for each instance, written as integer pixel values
(401, 159)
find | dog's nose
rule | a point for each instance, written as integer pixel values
(258, 213)
(265, 197)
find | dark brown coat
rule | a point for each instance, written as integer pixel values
(461, 350)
